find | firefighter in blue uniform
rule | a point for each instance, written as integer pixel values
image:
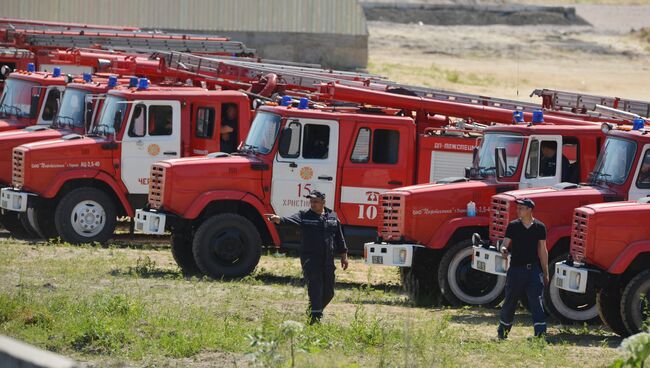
(528, 272)
(322, 239)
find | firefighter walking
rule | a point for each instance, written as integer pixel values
(322, 239)
(528, 272)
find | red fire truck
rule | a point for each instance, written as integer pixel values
(75, 186)
(80, 105)
(214, 207)
(609, 246)
(616, 176)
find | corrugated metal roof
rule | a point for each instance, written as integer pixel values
(309, 16)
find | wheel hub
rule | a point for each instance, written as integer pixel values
(228, 246)
(88, 218)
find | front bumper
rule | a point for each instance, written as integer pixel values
(148, 222)
(385, 254)
(14, 200)
(489, 260)
(573, 278)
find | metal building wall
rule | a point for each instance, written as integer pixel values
(312, 16)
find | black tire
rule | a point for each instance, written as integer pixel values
(227, 246)
(32, 233)
(635, 303)
(419, 281)
(182, 253)
(41, 220)
(70, 227)
(608, 301)
(568, 307)
(460, 284)
(11, 222)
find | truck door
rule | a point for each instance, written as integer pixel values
(641, 184)
(309, 164)
(541, 168)
(50, 106)
(378, 161)
(153, 134)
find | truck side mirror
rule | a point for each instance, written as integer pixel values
(33, 106)
(476, 240)
(475, 157)
(117, 121)
(4, 71)
(501, 162)
(285, 141)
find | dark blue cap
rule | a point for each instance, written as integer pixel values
(315, 194)
(526, 202)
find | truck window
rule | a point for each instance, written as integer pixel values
(361, 151)
(51, 104)
(548, 159)
(316, 142)
(160, 120)
(385, 146)
(229, 126)
(532, 166)
(294, 146)
(643, 180)
(570, 162)
(204, 122)
(137, 128)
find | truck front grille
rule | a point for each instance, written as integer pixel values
(579, 235)
(391, 215)
(499, 218)
(18, 174)
(156, 186)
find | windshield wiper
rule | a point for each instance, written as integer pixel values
(598, 175)
(105, 127)
(63, 121)
(16, 109)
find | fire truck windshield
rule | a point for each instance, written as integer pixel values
(513, 143)
(71, 113)
(16, 98)
(111, 117)
(615, 161)
(264, 130)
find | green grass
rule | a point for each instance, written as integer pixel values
(123, 305)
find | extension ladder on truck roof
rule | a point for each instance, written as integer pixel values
(135, 41)
(244, 71)
(586, 104)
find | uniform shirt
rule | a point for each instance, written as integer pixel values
(548, 167)
(524, 241)
(321, 234)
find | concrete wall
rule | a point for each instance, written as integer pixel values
(340, 51)
(328, 32)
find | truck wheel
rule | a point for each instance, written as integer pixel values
(635, 303)
(182, 253)
(568, 307)
(11, 222)
(227, 246)
(85, 215)
(41, 220)
(419, 281)
(608, 301)
(460, 284)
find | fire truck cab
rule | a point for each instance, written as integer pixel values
(611, 261)
(215, 206)
(426, 229)
(80, 106)
(30, 97)
(76, 186)
(619, 174)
